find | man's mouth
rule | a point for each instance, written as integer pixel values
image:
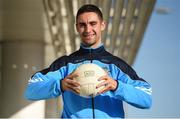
(88, 35)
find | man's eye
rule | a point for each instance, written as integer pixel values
(94, 23)
(81, 25)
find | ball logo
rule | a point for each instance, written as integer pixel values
(88, 75)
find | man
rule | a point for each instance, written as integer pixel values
(121, 82)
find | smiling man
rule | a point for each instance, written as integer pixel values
(89, 25)
(121, 83)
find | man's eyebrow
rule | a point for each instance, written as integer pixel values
(88, 22)
(93, 22)
(81, 23)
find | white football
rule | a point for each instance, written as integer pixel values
(88, 75)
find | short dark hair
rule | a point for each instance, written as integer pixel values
(89, 8)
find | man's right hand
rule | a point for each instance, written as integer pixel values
(69, 83)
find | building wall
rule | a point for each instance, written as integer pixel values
(22, 53)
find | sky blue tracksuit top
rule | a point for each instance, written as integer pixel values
(135, 91)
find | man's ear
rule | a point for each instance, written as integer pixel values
(103, 25)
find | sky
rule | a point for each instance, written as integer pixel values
(158, 62)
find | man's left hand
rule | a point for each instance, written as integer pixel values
(108, 83)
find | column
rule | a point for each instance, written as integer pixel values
(22, 54)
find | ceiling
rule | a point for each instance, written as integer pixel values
(126, 24)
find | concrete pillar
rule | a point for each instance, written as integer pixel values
(22, 43)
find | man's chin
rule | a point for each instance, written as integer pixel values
(87, 44)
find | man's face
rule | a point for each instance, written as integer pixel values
(89, 27)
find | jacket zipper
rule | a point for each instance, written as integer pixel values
(92, 98)
(93, 112)
(90, 55)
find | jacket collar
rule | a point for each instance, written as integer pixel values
(99, 49)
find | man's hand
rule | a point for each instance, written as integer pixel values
(108, 83)
(69, 83)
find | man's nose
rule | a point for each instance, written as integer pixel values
(88, 28)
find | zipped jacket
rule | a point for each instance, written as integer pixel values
(132, 89)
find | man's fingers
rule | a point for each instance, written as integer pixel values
(72, 82)
(69, 84)
(105, 89)
(109, 83)
(74, 89)
(104, 83)
(72, 75)
(103, 78)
